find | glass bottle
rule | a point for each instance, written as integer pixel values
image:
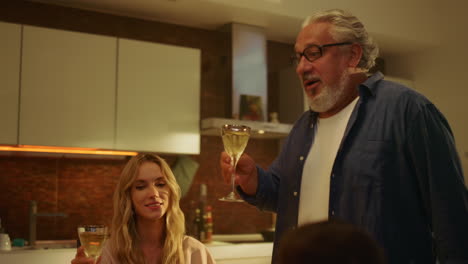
(208, 225)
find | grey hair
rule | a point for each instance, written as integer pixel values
(347, 27)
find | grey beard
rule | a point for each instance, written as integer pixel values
(330, 95)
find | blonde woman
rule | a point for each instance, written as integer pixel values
(148, 224)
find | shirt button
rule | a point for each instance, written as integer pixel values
(295, 193)
(333, 212)
(301, 158)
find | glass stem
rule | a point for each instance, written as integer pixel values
(233, 176)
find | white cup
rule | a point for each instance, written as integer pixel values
(5, 243)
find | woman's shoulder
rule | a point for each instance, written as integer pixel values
(192, 243)
(196, 252)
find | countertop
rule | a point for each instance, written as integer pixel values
(223, 252)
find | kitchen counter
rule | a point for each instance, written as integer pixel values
(245, 253)
(223, 253)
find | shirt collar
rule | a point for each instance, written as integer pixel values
(369, 86)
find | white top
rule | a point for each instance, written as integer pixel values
(315, 185)
(195, 252)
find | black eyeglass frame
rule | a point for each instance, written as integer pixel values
(297, 57)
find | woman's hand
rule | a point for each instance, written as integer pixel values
(81, 258)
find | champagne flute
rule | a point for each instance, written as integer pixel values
(235, 138)
(92, 237)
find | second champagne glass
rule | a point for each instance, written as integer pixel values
(92, 237)
(235, 138)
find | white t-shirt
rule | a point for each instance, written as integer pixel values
(315, 185)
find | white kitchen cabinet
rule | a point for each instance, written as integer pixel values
(10, 52)
(158, 98)
(68, 84)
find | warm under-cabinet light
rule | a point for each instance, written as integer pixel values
(66, 150)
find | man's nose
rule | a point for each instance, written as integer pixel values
(303, 65)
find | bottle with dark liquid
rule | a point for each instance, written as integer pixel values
(199, 226)
(202, 207)
(196, 224)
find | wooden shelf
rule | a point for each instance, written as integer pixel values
(261, 130)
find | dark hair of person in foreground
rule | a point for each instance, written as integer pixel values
(330, 242)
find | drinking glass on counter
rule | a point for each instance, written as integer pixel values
(235, 138)
(92, 238)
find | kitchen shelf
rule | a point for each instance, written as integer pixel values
(260, 130)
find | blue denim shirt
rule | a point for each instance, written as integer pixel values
(396, 174)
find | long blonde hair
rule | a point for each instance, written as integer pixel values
(124, 237)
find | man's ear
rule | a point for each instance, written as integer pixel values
(355, 55)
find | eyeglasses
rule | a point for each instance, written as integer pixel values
(314, 52)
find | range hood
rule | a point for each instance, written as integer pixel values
(249, 77)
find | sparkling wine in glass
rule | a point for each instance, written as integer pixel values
(235, 138)
(92, 237)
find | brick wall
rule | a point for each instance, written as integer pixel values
(82, 187)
